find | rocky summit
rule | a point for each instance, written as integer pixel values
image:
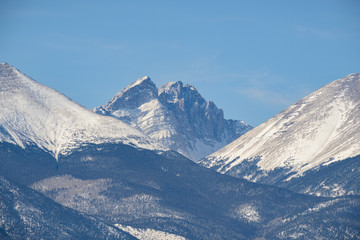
(176, 115)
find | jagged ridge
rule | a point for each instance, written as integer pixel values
(176, 115)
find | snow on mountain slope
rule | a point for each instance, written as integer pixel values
(149, 234)
(33, 114)
(320, 129)
(175, 115)
(138, 105)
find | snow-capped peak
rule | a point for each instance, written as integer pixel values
(141, 83)
(175, 91)
(176, 115)
(33, 114)
(319, 129)
(134, 95)
(170, 85)
(143, 80)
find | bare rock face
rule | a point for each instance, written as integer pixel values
(203, 118)
(176, 115)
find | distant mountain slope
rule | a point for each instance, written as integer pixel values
(27, 214)
(175, 115)
(33, 114)
(317, 131)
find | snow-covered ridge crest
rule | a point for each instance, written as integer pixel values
(321, 128)
(33, 114)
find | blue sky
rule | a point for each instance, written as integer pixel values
(252, 58)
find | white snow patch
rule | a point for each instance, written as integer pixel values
(149, 234)
(246, 212)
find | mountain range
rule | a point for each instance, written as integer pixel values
(176, 116)
(65, 169)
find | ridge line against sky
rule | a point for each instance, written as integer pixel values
(252, 58)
